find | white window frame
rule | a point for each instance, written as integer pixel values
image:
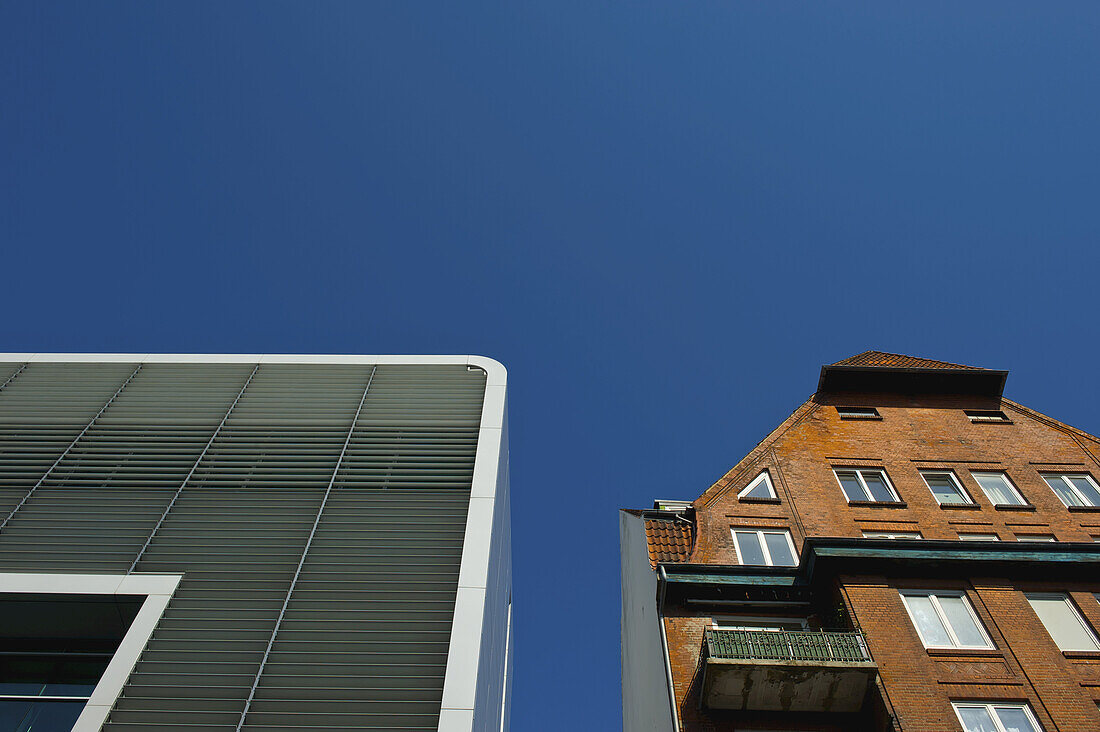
(157, 589)
(934, 596)
(991, 708)
(987, 416)
(858, 413)
(1006, 480)
(892, 535)
(1073, 489)
(1073, 611)
(1036, 538)
(763, 477)
(763, 545)
(863, 484)
(978, 536)
(969, 499)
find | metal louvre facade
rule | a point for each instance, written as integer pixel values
(318, 510)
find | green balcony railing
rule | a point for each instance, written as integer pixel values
(788, 645)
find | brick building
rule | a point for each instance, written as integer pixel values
(909, 550)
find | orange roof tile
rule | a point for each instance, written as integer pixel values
(898, 361)
(668, 540)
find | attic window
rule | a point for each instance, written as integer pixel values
(760, 487)
(987, 415)
(858, 413)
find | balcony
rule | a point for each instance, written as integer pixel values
(786, 670)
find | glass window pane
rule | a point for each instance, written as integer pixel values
(749, 546)
(852, 489)
(760, 489)
(928, 622)
(1068, 496)
(780, 550)
(1064, 625)
(25, 715)
(1084, 485)
(962, 622)
(998, 490)
(877, 486)
(1014, 719)
(976, 719)
(944, 488)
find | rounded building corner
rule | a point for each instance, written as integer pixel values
(496, 373)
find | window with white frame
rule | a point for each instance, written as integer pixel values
(1035, 537)
(770, 547)
(1063, 622)
(760, 487)
(978, 537)
(1075, 489)
(892, 535)
(998, 488)
(986, 415)
(858, 413)
(866, 484)
(945, 619)
(996, 717)
(946, 487)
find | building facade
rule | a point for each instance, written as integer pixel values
(908, 551)
(220, 543)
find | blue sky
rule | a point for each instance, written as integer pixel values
(662, 217)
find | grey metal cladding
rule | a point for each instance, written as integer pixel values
(170, 477)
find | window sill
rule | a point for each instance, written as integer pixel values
(1081, 654)
(961, 506)
(750, 499)
(880, 504)
(957, 652)
(1013, 507)
(1084, 509)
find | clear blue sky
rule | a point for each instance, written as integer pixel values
(662, 217)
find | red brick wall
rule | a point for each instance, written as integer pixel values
(915, 434)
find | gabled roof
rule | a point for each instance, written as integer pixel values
(668, 540)
(881, 359)
(878, 371)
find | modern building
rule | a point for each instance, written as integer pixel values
(259, 543)
(908, 551)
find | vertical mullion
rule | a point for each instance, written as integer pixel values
(764, 548)
(191, 472)
(305, 551)
(70, 447)
(866, 491)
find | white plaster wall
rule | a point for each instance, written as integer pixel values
(646, 703)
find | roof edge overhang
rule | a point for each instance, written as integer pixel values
(884, 379)
(823, 559)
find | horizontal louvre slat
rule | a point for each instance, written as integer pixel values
(232, 496)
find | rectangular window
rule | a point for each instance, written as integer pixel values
(945, 620)
(1075, 489)
(996, 717)
(892, 535)
(1066, 626)
(945, 487)
(999, 489)
(986, 415)
(769, 547)
(858, 413)
(1035, 537)
(979, 537)
(866, 484)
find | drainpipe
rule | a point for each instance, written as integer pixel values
(662, 582)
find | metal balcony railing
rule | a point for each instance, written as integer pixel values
(788, 645)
